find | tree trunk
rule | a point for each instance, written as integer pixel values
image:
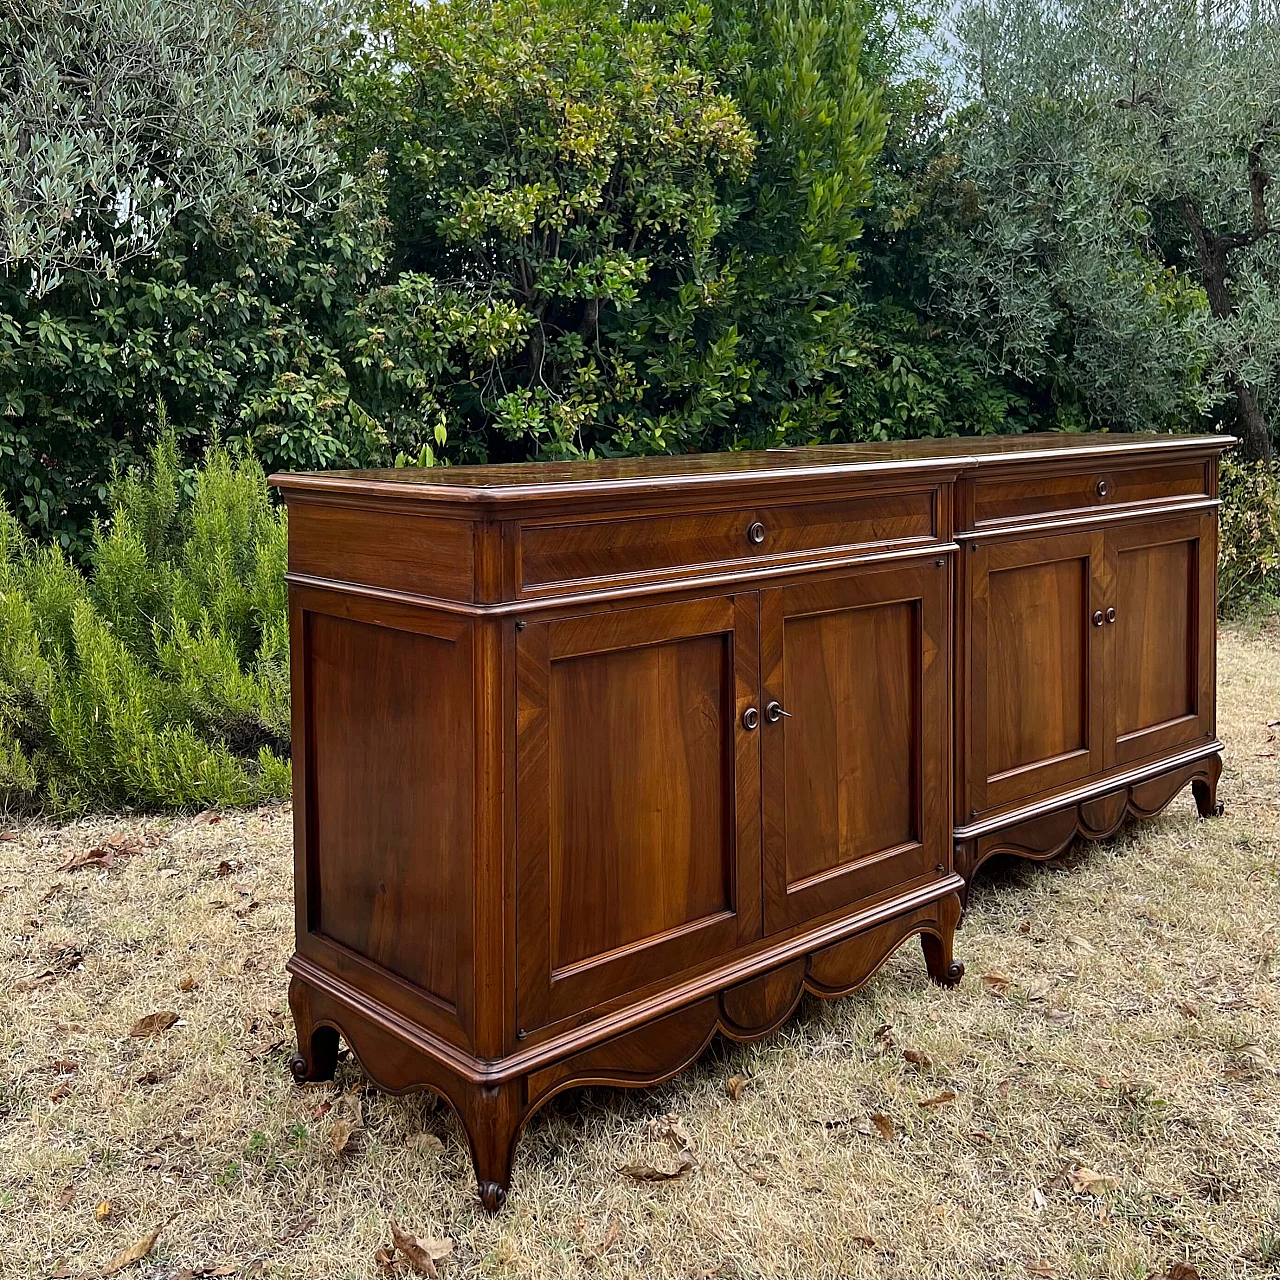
(1253, 427)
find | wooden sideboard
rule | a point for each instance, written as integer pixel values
(596, 760)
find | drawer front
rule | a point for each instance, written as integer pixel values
(570, 553)
(997, 501)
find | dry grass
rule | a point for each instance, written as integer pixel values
(1149, 1056)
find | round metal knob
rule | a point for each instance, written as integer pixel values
(750, 718)
(1103, 488)
(755, 533)
(1111, 615)
(774, 712)
(1097, 618)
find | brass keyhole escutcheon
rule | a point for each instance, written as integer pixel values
(774, 712)
(1097, 618)
(1111, 615)
(1103, 488)
(750, 718)
(755, 532)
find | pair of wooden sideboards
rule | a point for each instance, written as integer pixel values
(595, 760)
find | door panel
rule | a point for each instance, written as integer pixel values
(1163, 646)
(1036, 710)
(854, 799)
(637, 799)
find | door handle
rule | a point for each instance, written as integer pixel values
(774, 712)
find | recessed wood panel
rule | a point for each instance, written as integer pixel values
(641, 788)
(1155, 635)
(390, 786)
(1037, 663)
(851, 741)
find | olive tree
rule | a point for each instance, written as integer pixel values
(1124, 234)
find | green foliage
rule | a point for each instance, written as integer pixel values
(1117, 240)
(157, 678)
(667, 205)
(1248, 537)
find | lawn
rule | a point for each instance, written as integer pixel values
(1112, 1053)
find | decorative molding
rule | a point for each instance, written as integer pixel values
(493, 1114)
(1095, 816)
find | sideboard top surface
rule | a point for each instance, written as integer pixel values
(497, 485)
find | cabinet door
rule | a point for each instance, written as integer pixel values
(855, 800)
(1163, 591)
(638, 799)
(1036, 706)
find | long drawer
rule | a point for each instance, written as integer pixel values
(554, 556)
(1008, 498)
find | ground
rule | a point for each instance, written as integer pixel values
(1112, 1053)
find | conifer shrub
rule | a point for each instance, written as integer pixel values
(156, 675)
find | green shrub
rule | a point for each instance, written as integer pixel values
(158, 676)
(1249, 538)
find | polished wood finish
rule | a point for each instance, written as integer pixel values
(595, 761)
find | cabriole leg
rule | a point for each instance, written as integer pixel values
(1205, 789)
(492, 1116)
(317, 1056)
(943, 968)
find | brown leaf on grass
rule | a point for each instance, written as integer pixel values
(918, 1059)
(1043, 1269)
(102, 1210)
(1180, 1270)
(58, 1092)
(648, 1173)
(67, 1196)
(153, 1024)
(187, 982)
(341, 1133)
(385, 1258)
(1082, 945)
(735, 1085)
(63, 1067)
(1090, 1182)
(134, 1253)
(206, 817)
(671, 1129)
(980, 1135)
(38, 980)
(104, 855)
(224, 870)
(883, 1041)
(426, 1142)
(299, 1228)
(245, 907)
(884, 1126)
(996, 982)
(947, 1095)
(8, 835)
(420, 1252)
(1039, 987)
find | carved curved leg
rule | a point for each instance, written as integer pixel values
(317, 1056)
(1205, 789)
(943, 969)
(493, 1116)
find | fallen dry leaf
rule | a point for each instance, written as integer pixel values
(1082, 945)
(206, 817)
(1039, 987)
(735, 1085)
(134, 1253)
(384, 1257)
(224, 870)
(426, 1142)
(947, 1095)
(187, 982)
(648, 1173)
(8, 835)
(918, 1059)
(1181, 1271)
(1090, 1182)
(1037, 1199)
(340, 1134)
(996, 982)
(884, 1126)
(102, 1210)
(1043, 1270)
(421, 1253)
(67, 1196)
(153, 1023)
(39, 980)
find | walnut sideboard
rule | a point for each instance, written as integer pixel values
(595, 760)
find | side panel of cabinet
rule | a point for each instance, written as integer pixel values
(855, 798)
(637, 798)
(1163, 595)
(1036, 706)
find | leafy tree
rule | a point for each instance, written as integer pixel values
(669, 203)
(1123, 242)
